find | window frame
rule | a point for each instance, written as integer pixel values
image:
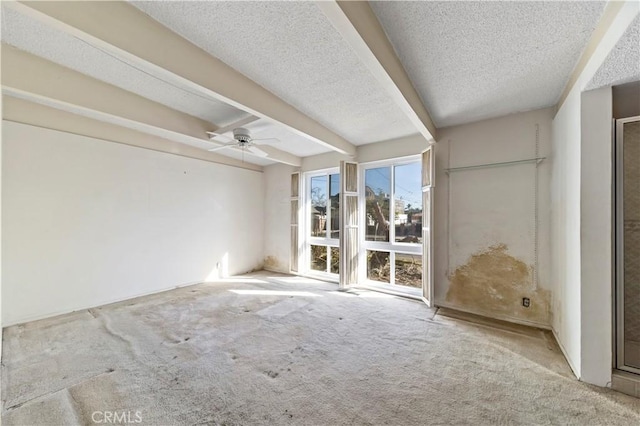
(391, 246)
(310, 240)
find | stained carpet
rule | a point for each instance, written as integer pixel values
(273, 349)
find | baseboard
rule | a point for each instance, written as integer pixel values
(315, 277)
(96, 305)
(276, 270)
(484, 321)
(626, 383)
(389, 291)
(496, 317)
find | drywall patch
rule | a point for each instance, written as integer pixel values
(494, 283)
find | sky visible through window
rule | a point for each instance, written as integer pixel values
(407, 181)
(408, 185)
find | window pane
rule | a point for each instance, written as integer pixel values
(335, 260)
(407, 197)
(319, 206)
(334, 194)
(378, 266)
(409, 269)
(319, 258)
(377, 189)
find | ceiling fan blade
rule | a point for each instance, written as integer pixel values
(218, 148)
(240, 123)
(265, 141)
(257, 151)
(213, 136)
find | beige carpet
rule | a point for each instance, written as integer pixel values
(248, 351)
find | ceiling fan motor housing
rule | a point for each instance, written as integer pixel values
(242, 135)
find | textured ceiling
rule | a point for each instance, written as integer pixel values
(36, 38)
(475, 60)
(291, 49)
(468, 61)
(623, 63)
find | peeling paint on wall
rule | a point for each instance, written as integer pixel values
(493, 283)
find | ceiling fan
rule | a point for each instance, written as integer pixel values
(243, 140)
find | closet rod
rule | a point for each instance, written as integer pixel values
(506, 163)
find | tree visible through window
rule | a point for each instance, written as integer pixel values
(324, 222)
(393, 215)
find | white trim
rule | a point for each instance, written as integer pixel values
(306, 241)
(628, 119)
(394, 292)
(390, 246)
(493, 316)
(405, 159)
(101, 304)
(319, 277)
(619, 283)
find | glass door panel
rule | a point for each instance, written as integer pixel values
(377, 183)
(628, 247)
(323, 201)
(407, 201)
(318, 206)
(408, 271)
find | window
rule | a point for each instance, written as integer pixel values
(392, 220)
(323, 230)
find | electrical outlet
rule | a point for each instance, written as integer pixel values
(526, 302)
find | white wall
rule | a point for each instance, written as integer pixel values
(394, 148)
(88, 222)
(596, 231)
(565, 229)
(582, 303)
(485, 219)
(582, 230)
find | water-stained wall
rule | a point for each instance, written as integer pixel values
(487, 226)
(494, 283)
(277, 211)
(492, 222)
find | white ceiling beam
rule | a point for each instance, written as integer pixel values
(24, 73)
(31, 78)
(282, 156)
(27, 112)
(239, 123)
(359, 26)
(615, 20)
(124, 31)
